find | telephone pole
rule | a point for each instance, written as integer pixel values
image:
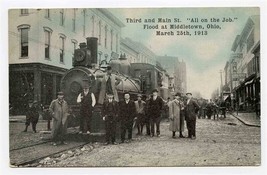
(221, 87)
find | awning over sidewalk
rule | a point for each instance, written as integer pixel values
(249, 82)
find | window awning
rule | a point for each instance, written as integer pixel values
(249, 82)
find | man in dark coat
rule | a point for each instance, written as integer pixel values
(154, 110)
(87, 102)
(223, 108)
(127, 115)
(147, 118)
(32, 116)
(191, 113)
(110, 113)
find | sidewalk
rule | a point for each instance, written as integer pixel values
(249, 119)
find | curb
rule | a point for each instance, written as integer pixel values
(245, 123)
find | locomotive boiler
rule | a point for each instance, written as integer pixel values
(86, 70)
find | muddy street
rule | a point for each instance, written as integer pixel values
(226, 142)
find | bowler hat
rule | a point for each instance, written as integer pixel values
(155, 90)
(188, 93)
(60, 93)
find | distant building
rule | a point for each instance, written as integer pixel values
(177, 70)
(137, 52)
(42, 44)
(243, 67)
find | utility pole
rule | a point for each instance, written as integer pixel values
(221, 87)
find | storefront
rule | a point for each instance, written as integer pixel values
(32, 81)
(246, 94)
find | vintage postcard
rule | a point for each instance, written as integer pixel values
(134, 87)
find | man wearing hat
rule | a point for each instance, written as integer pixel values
(140, 110)
(110, 113)
(154, 112)
(175, 108)
(191, 110)
(60, 112)
(87, 102)
(108, 86)
(32, 116)
(127, 115)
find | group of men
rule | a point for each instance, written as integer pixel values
(130, 113)
(126, 112)
(181, 110)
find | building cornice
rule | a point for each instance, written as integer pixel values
(110, 16)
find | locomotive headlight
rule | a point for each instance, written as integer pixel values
(79, 55)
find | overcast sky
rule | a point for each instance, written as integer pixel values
(205, 56)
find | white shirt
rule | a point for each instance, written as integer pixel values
(79, 99)
(188, 101)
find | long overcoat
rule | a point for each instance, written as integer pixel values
(174, 114)
(60, 113)
(115, 80)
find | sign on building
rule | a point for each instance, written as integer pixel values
(238, 76)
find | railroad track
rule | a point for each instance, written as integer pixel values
(33, 153)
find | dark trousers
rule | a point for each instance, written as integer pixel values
(85, 121)
(191, 126)
(31, 120)
(147, 123)
(224, 112)
(154, 121)
(110, 126)
(33, 126)
(59, 134)
(126, 125)
(140, 123)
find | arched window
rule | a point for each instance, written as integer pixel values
(62, 39)
(48, 32)
(24, 40)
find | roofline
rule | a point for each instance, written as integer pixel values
(109, 15)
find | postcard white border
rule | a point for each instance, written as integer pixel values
(4, 145)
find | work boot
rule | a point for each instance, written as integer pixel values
(181, 135)
(25, 130)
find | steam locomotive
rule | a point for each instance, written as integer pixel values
(87, 71)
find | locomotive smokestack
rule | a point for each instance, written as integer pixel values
(92, 45)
